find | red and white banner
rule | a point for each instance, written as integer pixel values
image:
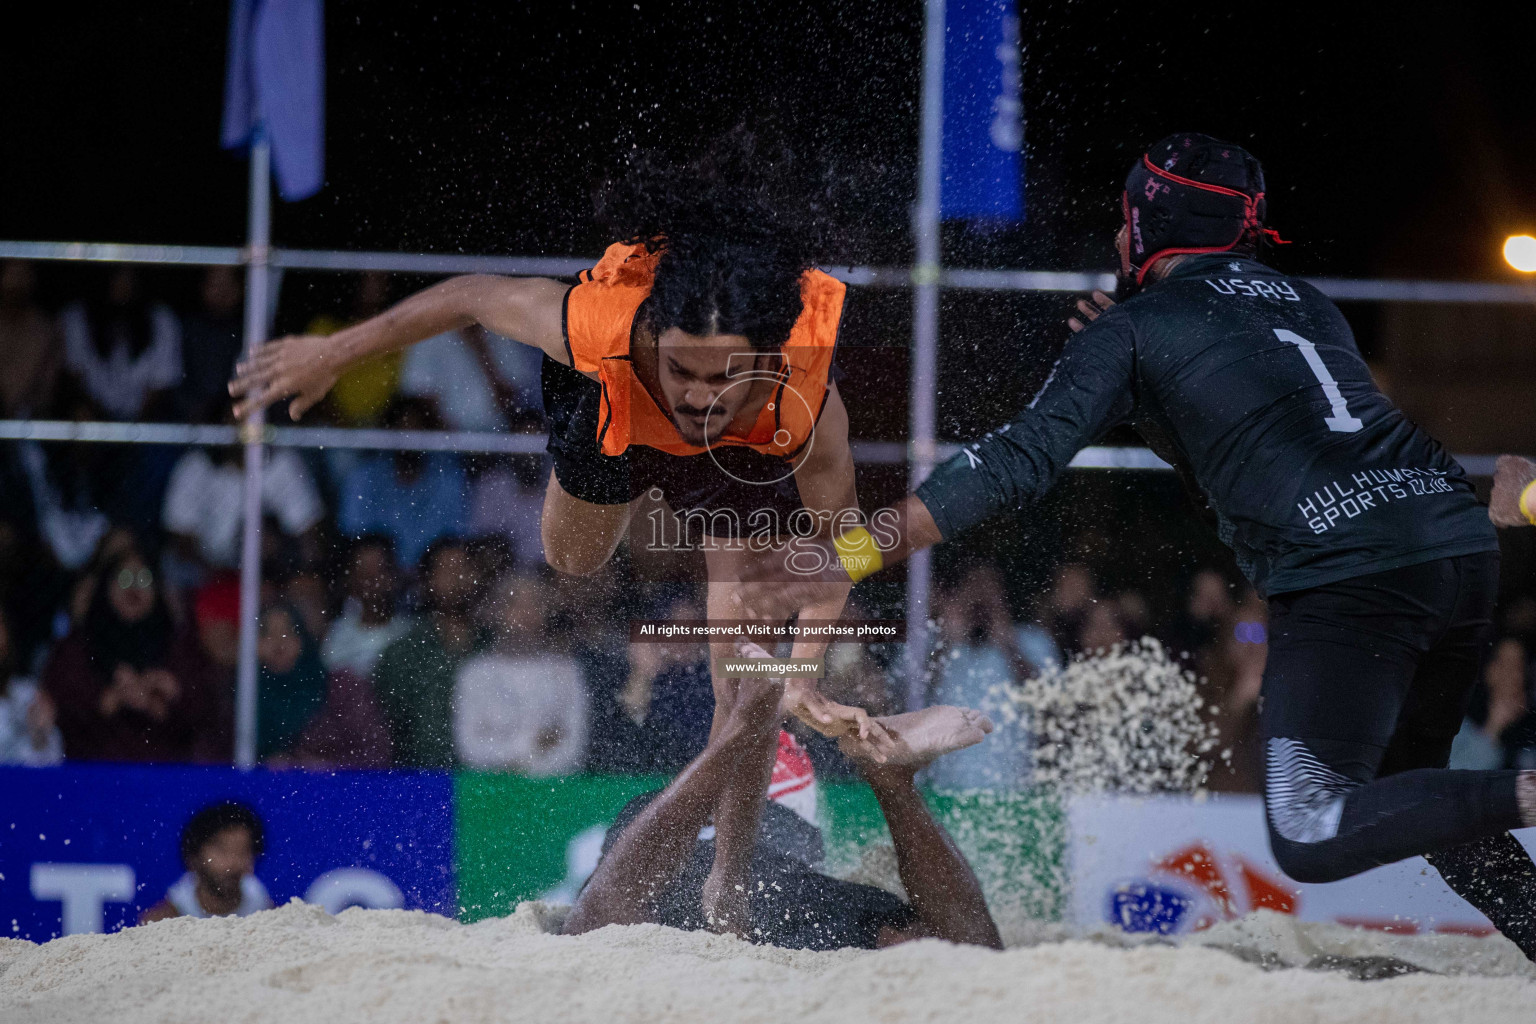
(794, 778)
(1177, 864)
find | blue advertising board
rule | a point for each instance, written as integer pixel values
(87, 847)
(983, 112)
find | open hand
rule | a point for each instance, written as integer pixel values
(163, 687)
(128, 689)
(1090, 310)
(301, 367)
(839, 721)
(1511, 476)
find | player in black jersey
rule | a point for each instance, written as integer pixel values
(1379, 564)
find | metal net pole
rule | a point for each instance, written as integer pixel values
(256, 284)
(925, 338)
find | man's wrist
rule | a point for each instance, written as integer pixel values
(889, 781)
(347, 346)
(858, 553)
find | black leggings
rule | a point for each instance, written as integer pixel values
(1365, 688)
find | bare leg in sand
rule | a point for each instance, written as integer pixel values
(728, 780)
(650, 853)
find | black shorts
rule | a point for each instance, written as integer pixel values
(572, 404)
(1364, 690)
(728, 491)
(1385, 662)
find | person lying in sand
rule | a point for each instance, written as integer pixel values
(658, 853)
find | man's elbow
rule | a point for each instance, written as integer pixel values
(574, 560)
(477, 298)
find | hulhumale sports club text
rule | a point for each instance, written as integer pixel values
(1367, 489)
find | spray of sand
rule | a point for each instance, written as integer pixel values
(1127, 720)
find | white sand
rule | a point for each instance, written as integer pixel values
(297, 965)
(1128, 719)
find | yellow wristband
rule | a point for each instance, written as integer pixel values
(859, 554)
(1528, 502)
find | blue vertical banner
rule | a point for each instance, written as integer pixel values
(275, 81)
(983, 112)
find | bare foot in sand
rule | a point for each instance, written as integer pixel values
(929, 733)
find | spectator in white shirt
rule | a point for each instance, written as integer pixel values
(220, 845)
(979, 656)
(522, 706)
(28, 733)
(71, 486)
(205, 501)
(506, 499)
(480, 381)
(368, 622)
(125, 351)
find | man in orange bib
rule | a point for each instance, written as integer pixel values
(694, 363)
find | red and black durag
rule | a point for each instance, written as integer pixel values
(1190, 193)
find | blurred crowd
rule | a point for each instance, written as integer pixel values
(407, 617)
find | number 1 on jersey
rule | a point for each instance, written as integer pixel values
(1341, 422)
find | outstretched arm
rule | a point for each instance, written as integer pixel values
(940, 884)
(1089, 389)
(650, 853)
(304, 367)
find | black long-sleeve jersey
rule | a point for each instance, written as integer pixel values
(1250, 383)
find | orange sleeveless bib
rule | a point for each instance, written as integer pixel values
(600, 314)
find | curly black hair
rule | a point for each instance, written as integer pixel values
(737, 227)
(215, 818)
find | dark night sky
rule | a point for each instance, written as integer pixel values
(1397, 137)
